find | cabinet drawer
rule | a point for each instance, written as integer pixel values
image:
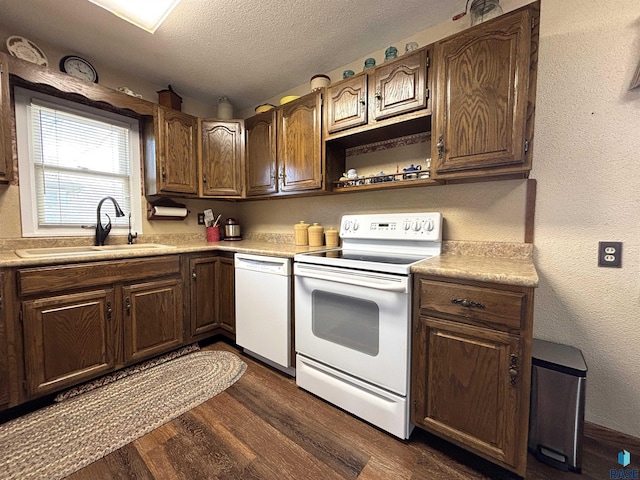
(81, 275)
(479, 304)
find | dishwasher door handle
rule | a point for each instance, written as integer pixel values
(357, 279)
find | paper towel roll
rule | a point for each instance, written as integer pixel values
(169, 212)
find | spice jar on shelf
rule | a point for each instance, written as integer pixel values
(316, 235)
(301, 233)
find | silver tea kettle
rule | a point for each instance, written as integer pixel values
(232, 230)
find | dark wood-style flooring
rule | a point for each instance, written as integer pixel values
(265, 427)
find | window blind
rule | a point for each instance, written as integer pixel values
(78, 160)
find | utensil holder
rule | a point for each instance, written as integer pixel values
(213, 234)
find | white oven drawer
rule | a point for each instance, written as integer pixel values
(379, 407)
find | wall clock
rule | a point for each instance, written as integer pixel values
(79, 67)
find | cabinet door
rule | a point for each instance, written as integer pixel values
(68, 339)
(4, 354)
(221, 159)
(465, 386)
(6, 155)
(347, 104)
(152, 318)
(176, 150)
(400, 86)
(482, 89)
(260, 153)
(226, 295)
(204, 289)
(299, 144)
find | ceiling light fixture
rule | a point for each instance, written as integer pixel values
(146, 14)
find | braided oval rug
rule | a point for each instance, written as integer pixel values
(59, 439)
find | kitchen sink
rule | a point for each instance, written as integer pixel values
(52, 252)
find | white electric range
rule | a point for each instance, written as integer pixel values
(353, 315)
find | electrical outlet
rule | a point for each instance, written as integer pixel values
(610, 254)
(201, 219)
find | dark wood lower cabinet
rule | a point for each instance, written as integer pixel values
(4, 350)
(226, 296)
(212, 296)
(68, 339)
(80, 321)
(152, 318)
(471, 366)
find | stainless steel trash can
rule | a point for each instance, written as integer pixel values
(556, 418)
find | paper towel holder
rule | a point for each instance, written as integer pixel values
(164, 202)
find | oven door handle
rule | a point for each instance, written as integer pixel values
(368, 281)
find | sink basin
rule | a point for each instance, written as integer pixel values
(52, 252)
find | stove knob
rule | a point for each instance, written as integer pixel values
(417, 225)
(347, 225)
(406, 225)
(356, 225)
(428, 224)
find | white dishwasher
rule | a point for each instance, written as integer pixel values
(263, 308)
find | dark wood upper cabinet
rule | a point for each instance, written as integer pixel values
(347, 104)
(221, 158)
(485, 97)
(260, 154)
(299, 144)
(171, 155)
(6, 155)
(400, 86)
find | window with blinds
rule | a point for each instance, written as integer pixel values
(76, 157)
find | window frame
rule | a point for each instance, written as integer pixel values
(26, 169)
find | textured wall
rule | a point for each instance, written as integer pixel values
(586, 163)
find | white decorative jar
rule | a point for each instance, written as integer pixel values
(318, 82)
(225, 109)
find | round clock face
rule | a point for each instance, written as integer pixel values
(79, 68)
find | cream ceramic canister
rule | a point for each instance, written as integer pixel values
(331, 237)
(301, 233)
(318, 82)
(316, 235)
(225, 109)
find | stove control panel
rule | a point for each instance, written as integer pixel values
(393, 226)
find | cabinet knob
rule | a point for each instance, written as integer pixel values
(440, 146)
(378, 96)
(164, 174)
(362, 100)
(193, 274)
(109, 310)
(127, 304)
(204, 179)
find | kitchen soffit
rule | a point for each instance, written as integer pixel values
(249, 51)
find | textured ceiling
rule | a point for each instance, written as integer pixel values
(248, 50)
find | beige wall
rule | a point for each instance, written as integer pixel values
(586, 163)
(585, 152)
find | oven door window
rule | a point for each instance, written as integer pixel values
(348, 321)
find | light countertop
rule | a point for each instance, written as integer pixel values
(487, 262)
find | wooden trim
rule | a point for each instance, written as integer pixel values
(613, 437)
(530, 210)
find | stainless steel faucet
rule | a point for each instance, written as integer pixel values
(103, 231)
